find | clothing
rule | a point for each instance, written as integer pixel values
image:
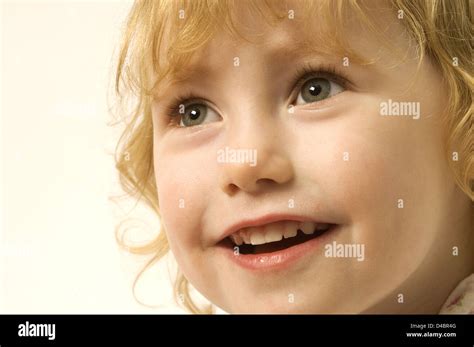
(461, 300)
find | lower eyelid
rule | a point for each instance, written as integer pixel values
(322, 103)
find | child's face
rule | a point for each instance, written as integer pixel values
(381, 181)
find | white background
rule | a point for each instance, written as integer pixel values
(57, 248)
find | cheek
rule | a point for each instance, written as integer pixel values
(381, 172)
(354, 158)
(182, 182)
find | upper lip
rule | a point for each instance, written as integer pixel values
(267, 219)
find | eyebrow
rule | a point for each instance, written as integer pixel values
(176, 77)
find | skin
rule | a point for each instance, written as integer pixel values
(408, 250)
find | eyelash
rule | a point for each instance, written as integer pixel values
(302, 75)
(308, 71)
(185, 99)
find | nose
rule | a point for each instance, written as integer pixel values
(255, 162)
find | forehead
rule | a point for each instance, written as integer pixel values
(280, 32)
(281, 43)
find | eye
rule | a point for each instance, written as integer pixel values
(196, 114)
(317, 89)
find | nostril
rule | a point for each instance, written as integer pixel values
(265, 181)
(232, 189)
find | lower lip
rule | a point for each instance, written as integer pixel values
(278, 260)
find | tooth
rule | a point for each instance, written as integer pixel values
(290, 229)
(273, 232)
(245, 236)
(256, 236)
(322, 226)
(307, 228)
(236, 239)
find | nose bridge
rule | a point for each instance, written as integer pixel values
(254, 155)
(254, 125)
(253, 116)
(250, 83)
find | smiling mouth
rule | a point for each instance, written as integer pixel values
(275, 237)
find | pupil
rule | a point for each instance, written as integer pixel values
(195, 114)
(315, 90)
